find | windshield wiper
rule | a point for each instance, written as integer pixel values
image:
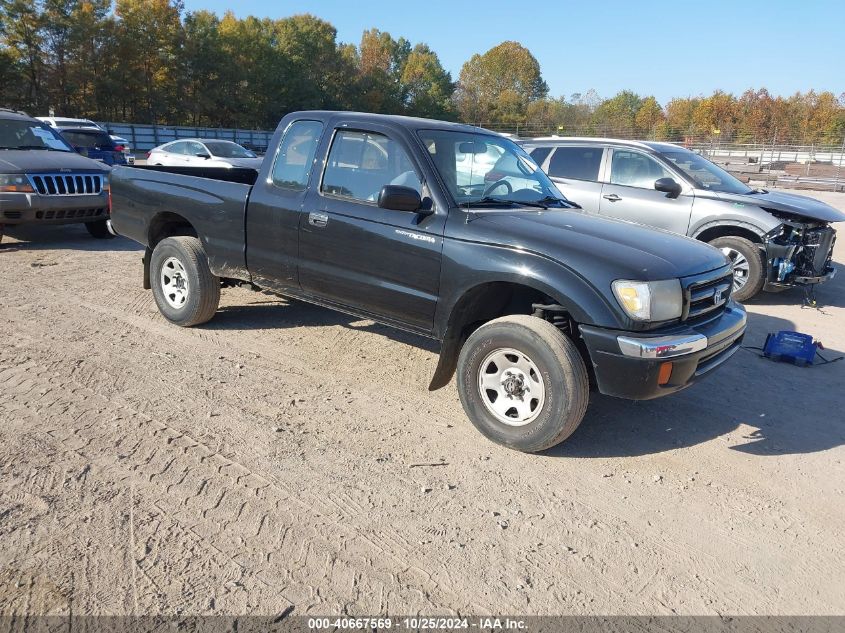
(44, 147)
(488, 200)
(758, 190)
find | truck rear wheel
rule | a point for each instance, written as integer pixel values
(186, 291)
(99, 230)
(523, 383)
(747, 263)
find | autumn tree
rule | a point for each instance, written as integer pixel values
(150, 33)
(498, 86)
(23, 39)
(427, 87)
(616, 115)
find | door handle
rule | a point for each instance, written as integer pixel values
(612, 197)
(318, 219)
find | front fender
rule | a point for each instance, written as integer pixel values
(709, 213)
(470, 264)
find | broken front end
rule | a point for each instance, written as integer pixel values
(799, 253)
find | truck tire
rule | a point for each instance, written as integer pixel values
(747, 262)
(523, 383)
(99, 230)
(186, 291)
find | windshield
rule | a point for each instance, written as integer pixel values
(705, 174)
(485, 169)
(227, 149)
(23, 134)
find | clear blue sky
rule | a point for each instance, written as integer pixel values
(668, 49)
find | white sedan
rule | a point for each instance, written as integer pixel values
(203, 153)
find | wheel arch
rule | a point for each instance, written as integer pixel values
(710, 232)
(489, 300)
(163, 225)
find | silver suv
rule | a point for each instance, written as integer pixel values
(773, 240)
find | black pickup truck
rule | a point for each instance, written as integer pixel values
(452, 232)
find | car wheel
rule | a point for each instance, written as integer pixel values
(99, 229)
(747, 262)
(523, 383)
(186, 291)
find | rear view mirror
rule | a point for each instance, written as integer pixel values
(668, 186)
(398, 198)
(472, 147)
(203, 155)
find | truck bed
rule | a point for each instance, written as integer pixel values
(213, 200)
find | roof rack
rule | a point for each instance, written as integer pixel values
(585, 139)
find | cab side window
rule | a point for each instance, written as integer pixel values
(634, 169)
(296, 155)
(361, 163)
(177, 148)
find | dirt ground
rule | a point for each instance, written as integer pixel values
(285, 455)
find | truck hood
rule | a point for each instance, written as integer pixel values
(40, 161)
(582, 241)
(799, 207)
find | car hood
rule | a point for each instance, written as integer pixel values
(583, 242)
(40, 161)
(785, 203)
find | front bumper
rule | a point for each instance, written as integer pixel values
(32, 208)
(628, 364)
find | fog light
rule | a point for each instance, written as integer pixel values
(664, 374)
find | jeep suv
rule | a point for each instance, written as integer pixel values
(44, 181)
(773, 240)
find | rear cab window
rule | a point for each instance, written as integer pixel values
(92, 140)
(295, 158)
(577, 163)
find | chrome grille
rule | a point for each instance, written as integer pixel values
(705, 294)
(67, 184)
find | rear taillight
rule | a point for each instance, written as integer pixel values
(147, 157)
(119, 148)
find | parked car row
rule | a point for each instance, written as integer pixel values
(626, 285)
(118, 144)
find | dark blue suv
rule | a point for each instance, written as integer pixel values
(95, 144)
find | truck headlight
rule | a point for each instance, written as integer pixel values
(650, 300)
(15, 183)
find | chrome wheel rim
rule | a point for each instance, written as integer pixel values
(174, 282)
(739, 265)
(511, 387)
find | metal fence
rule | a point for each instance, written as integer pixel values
(145, 137)
(774, 163)
(777, 162)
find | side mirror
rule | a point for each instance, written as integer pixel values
(668, 186)
(398, 198)
(203, 155)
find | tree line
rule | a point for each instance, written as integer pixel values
(150, 61)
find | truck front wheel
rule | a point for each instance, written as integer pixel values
(523, 383)
(186, 291)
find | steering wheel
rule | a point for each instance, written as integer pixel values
(496, 184)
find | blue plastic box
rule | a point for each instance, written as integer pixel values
(790, 347)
